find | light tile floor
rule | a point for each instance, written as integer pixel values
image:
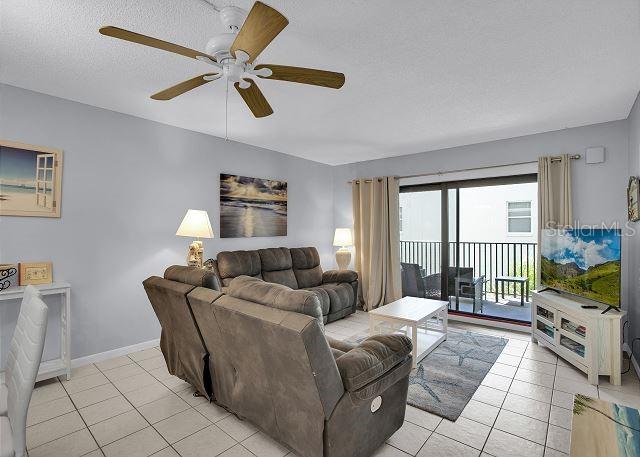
(131, 406)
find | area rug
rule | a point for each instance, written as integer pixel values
(603, 429)
(446, 379)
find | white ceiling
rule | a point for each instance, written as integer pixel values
(421, 74)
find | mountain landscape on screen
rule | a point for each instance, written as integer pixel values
(583, 262)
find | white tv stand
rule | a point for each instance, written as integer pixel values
(586, 338)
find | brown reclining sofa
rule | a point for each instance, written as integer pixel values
(297, 268)
(259, 351)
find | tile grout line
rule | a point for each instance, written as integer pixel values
(189, 408)
(501, 404)
(83, 420)
(142, 415)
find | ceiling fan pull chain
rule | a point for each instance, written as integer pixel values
(226, 111)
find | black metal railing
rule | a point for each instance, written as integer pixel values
(490, 259)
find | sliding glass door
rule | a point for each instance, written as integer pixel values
(421, 242)
(472, 243)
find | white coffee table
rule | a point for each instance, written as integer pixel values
(424, 319)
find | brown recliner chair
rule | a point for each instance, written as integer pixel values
(180, 339)
(297, 268)
(269, 362)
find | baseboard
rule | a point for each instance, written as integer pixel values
(634, 361)
(102, 356)
(490, 323)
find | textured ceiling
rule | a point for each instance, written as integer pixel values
(421, 74)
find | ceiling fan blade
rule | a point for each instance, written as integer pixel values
(262, 25)
(304, 75)
(254, 99)
(184, 86)
(134, 37)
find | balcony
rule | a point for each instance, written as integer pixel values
(482, 263)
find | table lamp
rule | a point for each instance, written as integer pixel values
(343, 239)
(195, 225)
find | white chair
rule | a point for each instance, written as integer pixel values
(29, 292)
(25, 354)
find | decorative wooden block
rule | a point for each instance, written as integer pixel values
(36, 273)
(8, 275)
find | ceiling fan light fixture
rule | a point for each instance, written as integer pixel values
(219, 45)
(233, 71)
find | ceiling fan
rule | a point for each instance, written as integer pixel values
(233, 56)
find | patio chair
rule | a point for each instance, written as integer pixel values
(412, 280)
(460, 283)
(416, 284)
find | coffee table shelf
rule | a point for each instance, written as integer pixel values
(423, 320)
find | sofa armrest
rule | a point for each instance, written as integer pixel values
(330, 276)
(372, 359)
(343, 346)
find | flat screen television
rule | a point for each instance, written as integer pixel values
(583, 262)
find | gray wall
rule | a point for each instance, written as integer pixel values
(127, 184)
(599, 191)
(634, 243)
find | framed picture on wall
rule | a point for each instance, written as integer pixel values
(30, 180)
(633, 196)
(252, 207)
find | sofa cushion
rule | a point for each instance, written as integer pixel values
(276, 296)
(193, 275)
(344, 346)
(340, 296)
(323, 295)
(372, 358)
(306, 266)
(277, 266)
(238, 263)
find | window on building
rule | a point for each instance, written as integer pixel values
(519, 218)
(400, 221)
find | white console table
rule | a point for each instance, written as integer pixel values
(62, 365)
(586, 338)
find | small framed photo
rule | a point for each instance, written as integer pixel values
(35, 273)
(633, 196)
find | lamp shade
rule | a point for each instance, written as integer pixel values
(343, 237)
(195, 225)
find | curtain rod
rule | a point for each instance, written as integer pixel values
(460, 170)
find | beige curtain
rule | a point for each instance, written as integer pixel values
(554, 192)
(554, 197)
(377, 240)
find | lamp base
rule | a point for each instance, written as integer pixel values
(194, 256)
(343, 258)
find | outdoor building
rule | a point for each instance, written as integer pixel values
(499, 208)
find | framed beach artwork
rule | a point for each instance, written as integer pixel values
(30, 180)
(604, 429)
(252, 207)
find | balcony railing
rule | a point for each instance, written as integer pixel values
(490, 259)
